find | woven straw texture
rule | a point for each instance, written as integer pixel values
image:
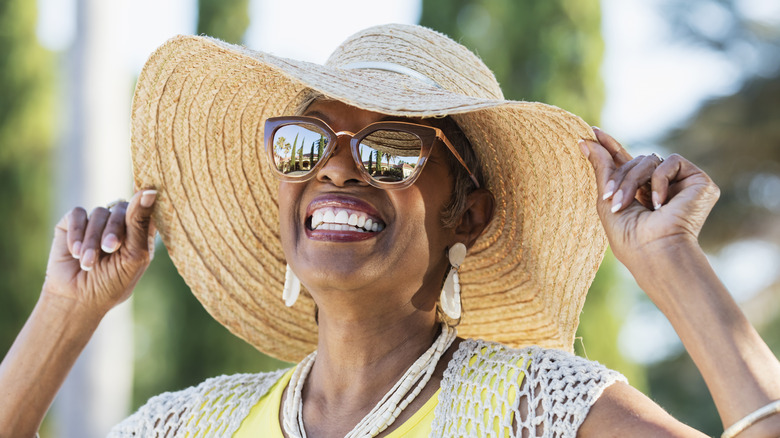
(197, 137)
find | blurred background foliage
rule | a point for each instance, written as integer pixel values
(548, 51)
(27, 96)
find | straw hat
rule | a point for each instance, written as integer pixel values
(197, 136)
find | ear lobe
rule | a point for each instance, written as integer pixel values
(476, 216)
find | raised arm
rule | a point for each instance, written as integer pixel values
(83, 282)
(654, 232)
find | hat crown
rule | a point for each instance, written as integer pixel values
(429, 53)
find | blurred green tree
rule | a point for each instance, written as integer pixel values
(223, 19)
(548, 51)
(26, 125)
(178, 344)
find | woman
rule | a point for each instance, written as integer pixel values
(404, 177)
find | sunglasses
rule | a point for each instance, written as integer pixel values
(388, 155)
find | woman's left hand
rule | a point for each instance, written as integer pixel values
(647, 205)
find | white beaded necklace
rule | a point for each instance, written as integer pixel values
(391, 405)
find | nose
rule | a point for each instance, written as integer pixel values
(340, 168)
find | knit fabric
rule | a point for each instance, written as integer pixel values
(215, 408)
(480, 397)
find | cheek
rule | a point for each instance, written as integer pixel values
(289, 199)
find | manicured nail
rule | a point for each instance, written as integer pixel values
(596, 128)
(656, 203)
(608, 189)
(77, 249)
(110, 243)
(88, 260)
(148, 197)
(616, 201)
(584, 148)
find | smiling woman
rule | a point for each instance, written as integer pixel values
(394, 190)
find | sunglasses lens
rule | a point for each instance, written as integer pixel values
(297, 147)
(390, 155)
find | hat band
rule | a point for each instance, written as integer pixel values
(389, 66)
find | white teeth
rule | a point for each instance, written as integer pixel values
(329, 216)
(329, 219)
(342, 217)
(316, 219)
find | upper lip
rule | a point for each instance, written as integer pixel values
(342, 202)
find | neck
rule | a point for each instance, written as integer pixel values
(371, 350)
(357, 363)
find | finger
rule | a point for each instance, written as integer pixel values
(633, 180)
(673, 175)
(114, 233)
(617, 179)
(90, 246)
(138, 222)
(618, 152)
(602, 162)
(75, 224)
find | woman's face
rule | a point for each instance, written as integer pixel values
(401, 263)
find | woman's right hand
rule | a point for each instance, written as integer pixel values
(96, 260)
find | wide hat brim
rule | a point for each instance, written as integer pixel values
(197, 137)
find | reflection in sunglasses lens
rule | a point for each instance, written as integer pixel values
(390, 155)
(298, 147)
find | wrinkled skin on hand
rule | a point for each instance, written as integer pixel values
(647, 205)
(97, 260)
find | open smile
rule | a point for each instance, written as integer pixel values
(342, 218)
(338, 219)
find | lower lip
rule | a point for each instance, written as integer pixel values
(338, 236)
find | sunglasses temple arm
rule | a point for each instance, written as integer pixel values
(458, 157)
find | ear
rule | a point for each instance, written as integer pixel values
(476, 216)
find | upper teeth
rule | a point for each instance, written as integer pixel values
(339, 219)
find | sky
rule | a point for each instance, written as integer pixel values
(652, 85)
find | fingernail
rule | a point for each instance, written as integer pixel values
(608, 189)
(616, 202)
(596, 128)
(584, 148)
(76, 249)
(148, 197)
(110, 243)
(656, 204)
(88, 260)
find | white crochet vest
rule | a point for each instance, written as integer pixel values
(480, 397)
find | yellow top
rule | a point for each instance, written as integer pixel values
(263, 418)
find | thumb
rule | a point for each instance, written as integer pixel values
(59, 248)
(139, 221)
(602, 161)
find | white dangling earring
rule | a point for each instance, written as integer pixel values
(292, 288)
(450, 292)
